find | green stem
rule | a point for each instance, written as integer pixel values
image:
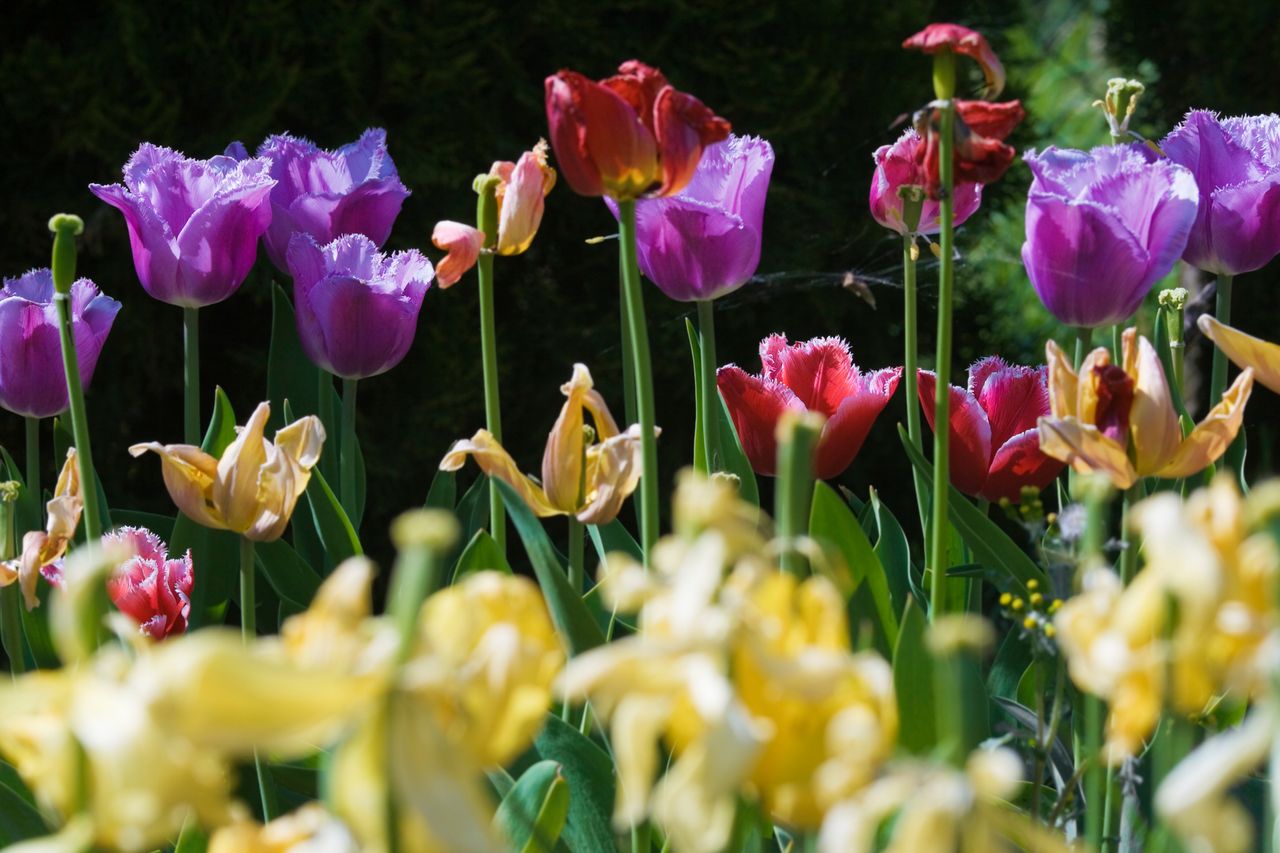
(577, 571)
(191, 375)
(487, 221)
(940, 530)
(710, 396)
(910, 361)
(1094, 776)
(1177, 349)
(347, 449)
(33, 458)
(1084, 340)
(248, 631)
(1129, 548)
(639, 344)
(1222, 310)
(949, 707)
(1117, 348)
(10, 603)
(324, 410)
(793, 491)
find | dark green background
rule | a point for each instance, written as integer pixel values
(459, 84)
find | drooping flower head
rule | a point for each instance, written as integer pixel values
(979, 153)
(32, 382)
(705, 241)
(1102, 227)
(357, 308)
(818, 375)
(965, 42)
(352, 190)
(994, 440)
(1236, 164)
(193, 224)
(150, 588)
(1119, 420)
(521, 188)
(900, 165)
(629, 136)
(462, 244)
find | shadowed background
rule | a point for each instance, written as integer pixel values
(457, 86)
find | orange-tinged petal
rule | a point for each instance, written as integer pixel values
(563, 458)
(1087, 385)
(189, 474)
(1245, 350)
(462, 243)
(35, 548)
(1063, 381)
(1086, 449)
(520, 198)
(1153, 423)
(1211, 437)
(280, 480)
(235, 490)
(496, 462)
(606, 426)
(613, 473)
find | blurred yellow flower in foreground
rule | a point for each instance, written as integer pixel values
(43, 548)
(310, 829)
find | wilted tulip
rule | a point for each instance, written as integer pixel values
(705, 241)
(1246, 351)
(521, 188)
(462, 243)
(1236, 163)
(253, 487)
(1102, 227)
(353, 190)
(818, 375)
(936, 38)
(900, 165)
(629, 136)
(979, 153)
(43, 549)
(150, 588)
(193, 224)
(357, 309)
(995, 445)
(1102, 413)
(32, 382)
(587, 480)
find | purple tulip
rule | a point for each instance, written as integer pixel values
(193, 224)
(354, 190)
(1102, 227)
(898, 165)
(705, 241)
(357, 308)
(1236, 163)
(32, 381)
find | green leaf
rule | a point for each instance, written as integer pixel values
(572, 619)
(19, 819)
(336, 533)
(913, 683)
(989, 544)
(700, 462)
(473, 509)
(893, 551)
(614, 536)
(589, 772)
(443, 492)
(192, 838)
(290, 374)
(482, 553)
(289, 575)
(832, 522)
(1011, 661)
(28, 513)
(735, 458)
(533, 813)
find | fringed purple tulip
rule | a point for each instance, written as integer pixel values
(357, 309)
(193, 224)
(32, 382)
(1102, 227)
(353, 190)
(897, 166)
(1236, 163)
(705, 241)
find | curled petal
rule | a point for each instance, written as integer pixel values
(1213, 435)
(496, 462)
(463, 244)
(755, 404)
(1245, 350)
(235, 490)
(846, 430)
(683, 126)
(520, 200)
(302, 441)
(1153, 423)
(613, 472)
(1086, 450)
(1063, 382)
(562, 460)
(970, 433)
(601, 144)
(189, 474)
(1017, 463)
(965, 42)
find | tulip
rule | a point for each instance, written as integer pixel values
(1245, 351)
(31, 376)
(193, 224)
(1102, 227)
(937, 38)
(1105, 411)
(462, 243)
(310, 827)
(42, 550)
(818, 375)
(519, 190)
(1236, 165)
(353, 190)
(588, 481)
(705, 241)
(150, 588)
(996, 445)
(630, 136)
(980, 155)
(357, 308)
(898, 166)
(253, 488)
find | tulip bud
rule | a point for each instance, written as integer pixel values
(1119, 104)
(436, 530)
(66, 227)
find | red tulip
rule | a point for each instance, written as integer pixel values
(149, 587)
(818, 375)
(629, 136)
(966, 42)
(995, 447)
(979, 153)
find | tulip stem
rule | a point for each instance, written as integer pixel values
(709, 399)
(1084, 340)
(910, 359)
(577, 570)
(793, 492)
(191, 376)
(33, 458)
(1222, 311)
(487, 222)
(347, 449)
(1129, 548)
(10, 605)
(639, 333)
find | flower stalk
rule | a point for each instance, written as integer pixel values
(1222, 311)
(708, 395)
(797, 437)
(191, 375)
(487, 222)
(912, 203)
(10, 606)
(33, 458)
(1174, 303)
(348, 448)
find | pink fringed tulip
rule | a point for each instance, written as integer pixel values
(462, 244)
(966, 42)
(150, 588)
(995, 447)
(900, 165)
(818, 375)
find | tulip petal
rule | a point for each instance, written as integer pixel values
(1086, 450)
(1242, 226)
(819, 372)
(462, 243)
(1245, 350)
(235, 490)
(1063, 382)
(1153, 424)
(1014, 398)
(155, 250)
(337, 319)
(613, 472)
(189, 474)
(562, 460)
(1017, 463)
(302, 441)
(520, 200)
(970, 433)
(219, 243)
(755, 403)
(846, 430)
(683, 126)
(496, 462)
(602, 147)
(1213, 435)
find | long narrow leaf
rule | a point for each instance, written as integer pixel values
(832, 522)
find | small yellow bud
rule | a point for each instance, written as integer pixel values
(1005, 599)
(1017, 604)
(1049, 630)
(1029, 623)
(1033, 584)
(1036, 598)
(1055, 605)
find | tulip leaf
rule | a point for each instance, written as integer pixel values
(989, 544)
(290, 576)
(35, 626)
(614, 536)
(473, 509)
(19, 819)
(913, 682)
(482, 553)
(290, 374)
(1011, 661)
(700, 461)
(589, 772)
(833, 524)
(443, 492)
(27, 513)
(735, 458)
(532, 814)
(893, 550)
(336, 533)
(572, 619)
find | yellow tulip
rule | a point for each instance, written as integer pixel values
(41, 548)
(1119, 420)
(253, 488)
(589, 481)
(1248, 352)
(310, 829)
